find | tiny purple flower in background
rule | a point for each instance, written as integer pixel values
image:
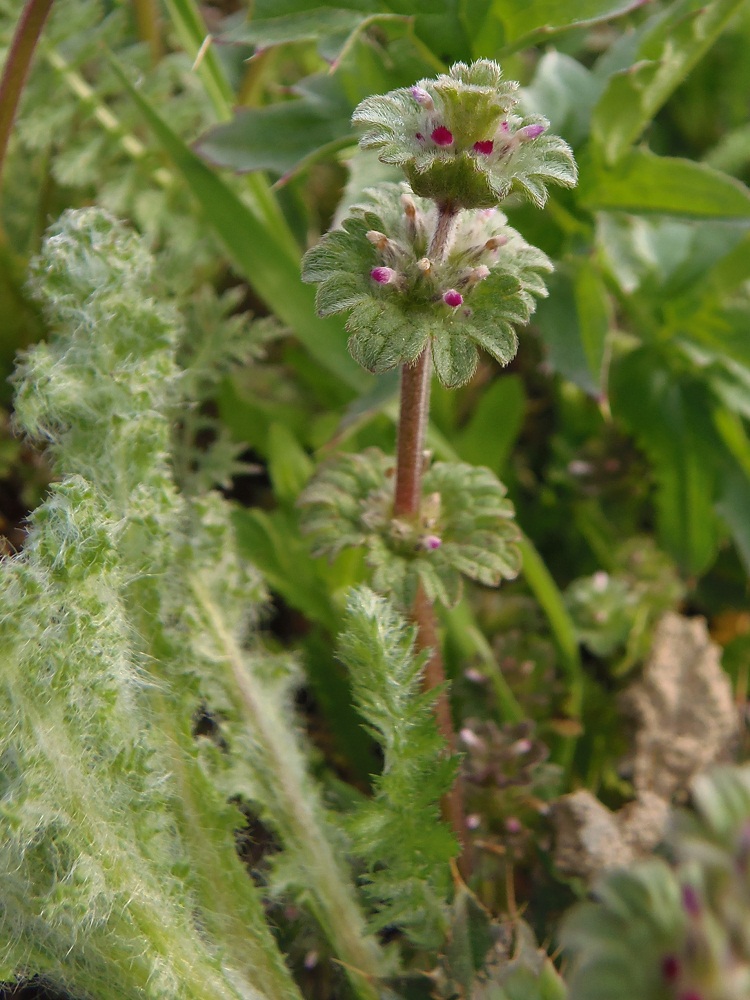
(421, 96)
(383, 275)
(442, 136)
(504, 127)
(453, 298)
(513, 825)
(485, 146)
(432, 542)
(473, 821)
(529, 132)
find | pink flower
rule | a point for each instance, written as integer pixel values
(485, 147)
(383, 275)
(442, 136)
(453, 298)
(432, 542)
(529, 132)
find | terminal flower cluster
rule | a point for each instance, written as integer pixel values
(460, 142)
(378, 267)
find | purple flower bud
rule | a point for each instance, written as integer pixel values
(504, 127)
(442, 136)
(421, 96)
(453, 298)
(383, 275)
(419, 137)
(485, 146)
(529, 132)
(432, 542)
(513, 824)
(691, 901)
(670, 968)
(473, 821)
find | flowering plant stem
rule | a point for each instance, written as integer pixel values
(17, 65)
(413, 418)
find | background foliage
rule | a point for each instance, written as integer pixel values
(620, 431)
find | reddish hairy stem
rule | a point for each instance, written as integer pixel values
(25, 39)
(413, 416)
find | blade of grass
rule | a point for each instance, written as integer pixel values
(255, 249)
(17, 65)
(548, 594)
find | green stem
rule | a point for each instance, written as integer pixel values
(147, 20)
(413, 420)
(17, 65)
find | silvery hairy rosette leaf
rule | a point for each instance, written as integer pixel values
(378, 268)
(465, 526)
(459, 143)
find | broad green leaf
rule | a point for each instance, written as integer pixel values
(734, 507)
(557, 320)
(563, 91)
(525, 22)
(305, 25)
(643, 182)
(668, 418)
(594, 319)
(255, 249)
(666, 54)
(335, 27)
(282, 137)
(495, 423)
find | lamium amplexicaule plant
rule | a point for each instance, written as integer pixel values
(429, 271)
(128, 615)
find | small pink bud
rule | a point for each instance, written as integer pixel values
(470, 739)
(504, 127)
(670, 968)
(419, 137)
(378, 240)
(421, 96)
(478, 274)
(485, 146)
(474, 675)
(383, 275)
(442, 136)
(432, 542)
(529, 132)
(513, 825)
(521, 747)
(453, 298)
(473, 821)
